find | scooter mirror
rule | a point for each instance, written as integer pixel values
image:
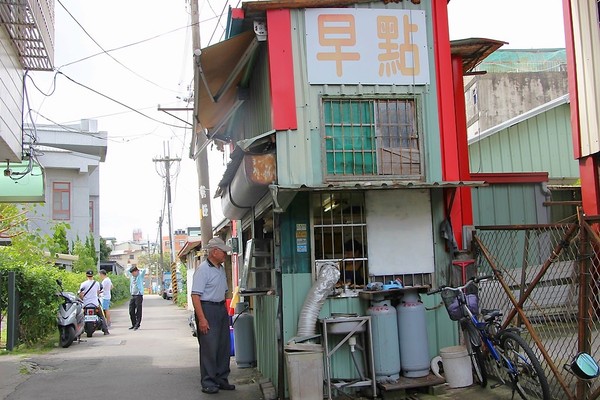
(583, 367)
(59, 282)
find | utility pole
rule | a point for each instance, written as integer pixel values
(200, 134)
(167, 160)
(160, 250)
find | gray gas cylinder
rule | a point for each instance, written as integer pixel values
(412, 332)
(386, 347)
(243, 336)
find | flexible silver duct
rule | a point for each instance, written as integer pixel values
(329, 274)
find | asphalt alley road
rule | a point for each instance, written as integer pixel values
(157, 362)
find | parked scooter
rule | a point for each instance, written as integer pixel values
(69, 318)
(94, 319)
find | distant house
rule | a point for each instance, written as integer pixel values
(180, 237)
(127, 253)
(71, 157)
(112, 266)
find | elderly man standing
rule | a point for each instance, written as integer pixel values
(209, 287)
(136, 287)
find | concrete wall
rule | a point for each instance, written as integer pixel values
(80, 197)
(494, 98)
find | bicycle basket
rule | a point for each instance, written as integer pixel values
(455, 312)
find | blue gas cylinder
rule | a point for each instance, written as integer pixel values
(386, 347)
(412, 333)
(243, 336)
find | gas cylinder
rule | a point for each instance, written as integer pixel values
(386, 347)
(243, 336)
(412, 333)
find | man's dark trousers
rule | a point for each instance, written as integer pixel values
(215, 346)
(135, 310)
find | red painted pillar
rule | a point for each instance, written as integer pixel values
(589, 171)
(452, 121)
(281, 70)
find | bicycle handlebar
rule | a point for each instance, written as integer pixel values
(471, 281)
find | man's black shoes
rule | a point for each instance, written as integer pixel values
(226, 386)
(131, 327)
(210, 389)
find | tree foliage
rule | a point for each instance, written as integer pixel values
(104, 250)
(59, 239)
(86, 260)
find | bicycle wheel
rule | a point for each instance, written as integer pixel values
(473, 344)
(530, 380)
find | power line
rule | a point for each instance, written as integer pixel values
(124, 46)
(117, 101)
(108, 54)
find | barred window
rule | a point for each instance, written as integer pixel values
(372, 138)
(340, 233)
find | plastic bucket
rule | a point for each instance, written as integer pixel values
(304, 373)
(457, 366)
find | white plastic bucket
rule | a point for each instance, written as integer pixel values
(457, 366)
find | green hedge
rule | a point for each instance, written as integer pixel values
(38, 303)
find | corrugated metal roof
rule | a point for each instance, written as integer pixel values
(520, 118)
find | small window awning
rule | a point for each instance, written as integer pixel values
(473, 51)
(221, 68)
(18, 188)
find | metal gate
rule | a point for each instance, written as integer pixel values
(548, 284)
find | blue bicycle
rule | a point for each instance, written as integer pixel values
(513, 360)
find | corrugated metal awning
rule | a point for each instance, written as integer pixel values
(371, 185)
(221, 68)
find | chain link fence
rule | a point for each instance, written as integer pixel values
(548, 285)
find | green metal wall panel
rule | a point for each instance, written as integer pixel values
(254, 116)
(265, 329)
(541, 143)
(441, 330)
(507, 204)
(293, 261)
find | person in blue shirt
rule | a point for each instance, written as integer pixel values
(209, 287)
(136, 287)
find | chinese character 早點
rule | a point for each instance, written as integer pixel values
(337, 31)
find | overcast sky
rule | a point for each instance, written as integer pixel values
(155, 69)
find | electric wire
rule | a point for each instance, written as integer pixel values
(218, 22)
(124, 46)
(110, 55)
(118, 102)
